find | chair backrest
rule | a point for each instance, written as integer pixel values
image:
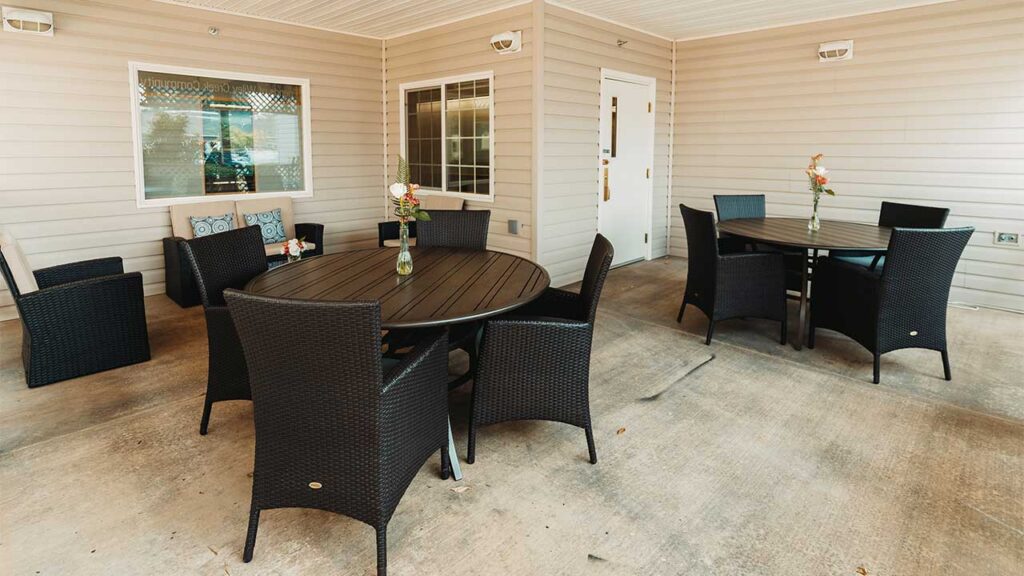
(454, 229)
(735, 206)
(601, 254)
(894, 214)
(918, 273)
(701, 244)
(316, 400)
(14, 267)
(181, 226)
(225, 260)
(430, 202)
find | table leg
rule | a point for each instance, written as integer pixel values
(453, 455)
(799, 343)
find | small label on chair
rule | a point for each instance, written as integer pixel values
(316, 485)
(913, 332)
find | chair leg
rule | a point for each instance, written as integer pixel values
(471, 444)
(590, 444)
(945, 365)
(785, 329)
(205, 422)
(446, 463)
(878, 358)
(682, 307)
(250, 535)
(711, 330)
(382, 550)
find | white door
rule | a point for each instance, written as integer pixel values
(627, 153)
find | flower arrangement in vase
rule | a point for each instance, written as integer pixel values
(407, 208)
(817, 175)
(294, 248)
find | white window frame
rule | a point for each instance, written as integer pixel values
(307, 134)
(403, 114)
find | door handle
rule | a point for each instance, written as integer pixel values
(607, 188)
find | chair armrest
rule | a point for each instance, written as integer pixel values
(523, 336)
(429, 353)
(74, 271)
(553, 303)
(69, 312)
(742, 266)
(312, 233)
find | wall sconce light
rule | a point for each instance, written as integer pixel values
(27, 21)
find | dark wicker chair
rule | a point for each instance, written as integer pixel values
(535, 364)
(724, 286)
(736, 206)
(225, 260)
(335, 430)
(390, 230)
(86, 317)
(454, 229)
(457, 229)
(901, 306)
(893, 215)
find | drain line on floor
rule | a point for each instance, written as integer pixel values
(654, 397)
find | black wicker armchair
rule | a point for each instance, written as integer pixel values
(724, 286)
(335, 429)
(901, 306)
(225, 260)
(535, 364)
(454, 229)
(893, 215)
(457, 229)
(734, 207)
(85, 317)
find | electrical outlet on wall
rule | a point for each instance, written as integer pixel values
(1006, 239)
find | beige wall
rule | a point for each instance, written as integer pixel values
(930, 111)
(67, 188)
(576, 47)
(464, 48)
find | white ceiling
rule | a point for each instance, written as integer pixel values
(673, 19)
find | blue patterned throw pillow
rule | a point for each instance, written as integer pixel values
(206, 225)
(270, 225)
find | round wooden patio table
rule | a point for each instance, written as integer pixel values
(448, 286)
(793, 233)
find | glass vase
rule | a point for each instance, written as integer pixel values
(814, 224)
(404, 264)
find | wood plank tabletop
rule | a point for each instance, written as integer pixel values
(833, 234)
(447, 286)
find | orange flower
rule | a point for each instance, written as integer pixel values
(821, 180)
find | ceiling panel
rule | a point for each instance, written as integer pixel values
(673, 19)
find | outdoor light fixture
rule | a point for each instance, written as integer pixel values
(835, 51)
(27, 21)
(507, 42)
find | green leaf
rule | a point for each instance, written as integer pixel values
(421, 215)
(829, 192)
(403, 171)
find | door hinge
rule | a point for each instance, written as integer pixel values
(645, 238)
(648, 173)
(648, 106)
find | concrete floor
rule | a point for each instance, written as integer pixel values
(739, 458)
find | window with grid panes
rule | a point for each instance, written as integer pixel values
(447, 135)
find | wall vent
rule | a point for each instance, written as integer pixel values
(835, 51)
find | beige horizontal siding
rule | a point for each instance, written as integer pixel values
(67, 187)
(930, 111)
(464, 48)
(576, 48)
